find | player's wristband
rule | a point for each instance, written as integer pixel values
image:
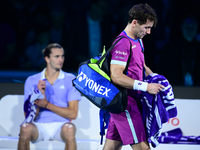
(46, 104)
(140, 86)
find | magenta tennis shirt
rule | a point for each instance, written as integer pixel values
(120, 54)
(59, 94)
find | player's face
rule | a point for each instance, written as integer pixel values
(56, 58)
(142, 30)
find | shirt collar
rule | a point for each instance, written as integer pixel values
(60, 76)
(130, 37)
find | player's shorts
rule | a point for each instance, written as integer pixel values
(49, 131)
(127, 126)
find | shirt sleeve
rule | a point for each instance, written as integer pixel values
(120, 53)
(74, 94)
(27, 88)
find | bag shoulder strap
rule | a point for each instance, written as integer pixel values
(141, 44)
(108, 51)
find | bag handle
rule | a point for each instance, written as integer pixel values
(108, 51)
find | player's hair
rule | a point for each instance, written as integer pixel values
(47, 50)
(142, 13)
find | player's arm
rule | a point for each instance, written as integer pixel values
(69, 112)
(121, 79)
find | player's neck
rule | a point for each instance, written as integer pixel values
(51, 75)
(129, 31)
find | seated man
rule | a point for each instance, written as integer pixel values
(51, 102)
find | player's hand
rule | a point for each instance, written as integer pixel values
(42, 86)
(154, 88)
(41, 102)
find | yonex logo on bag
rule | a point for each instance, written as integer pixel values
(81, 76)
(94, 86)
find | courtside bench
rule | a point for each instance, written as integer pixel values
(87, 123)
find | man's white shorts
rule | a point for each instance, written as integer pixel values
(49, 131)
